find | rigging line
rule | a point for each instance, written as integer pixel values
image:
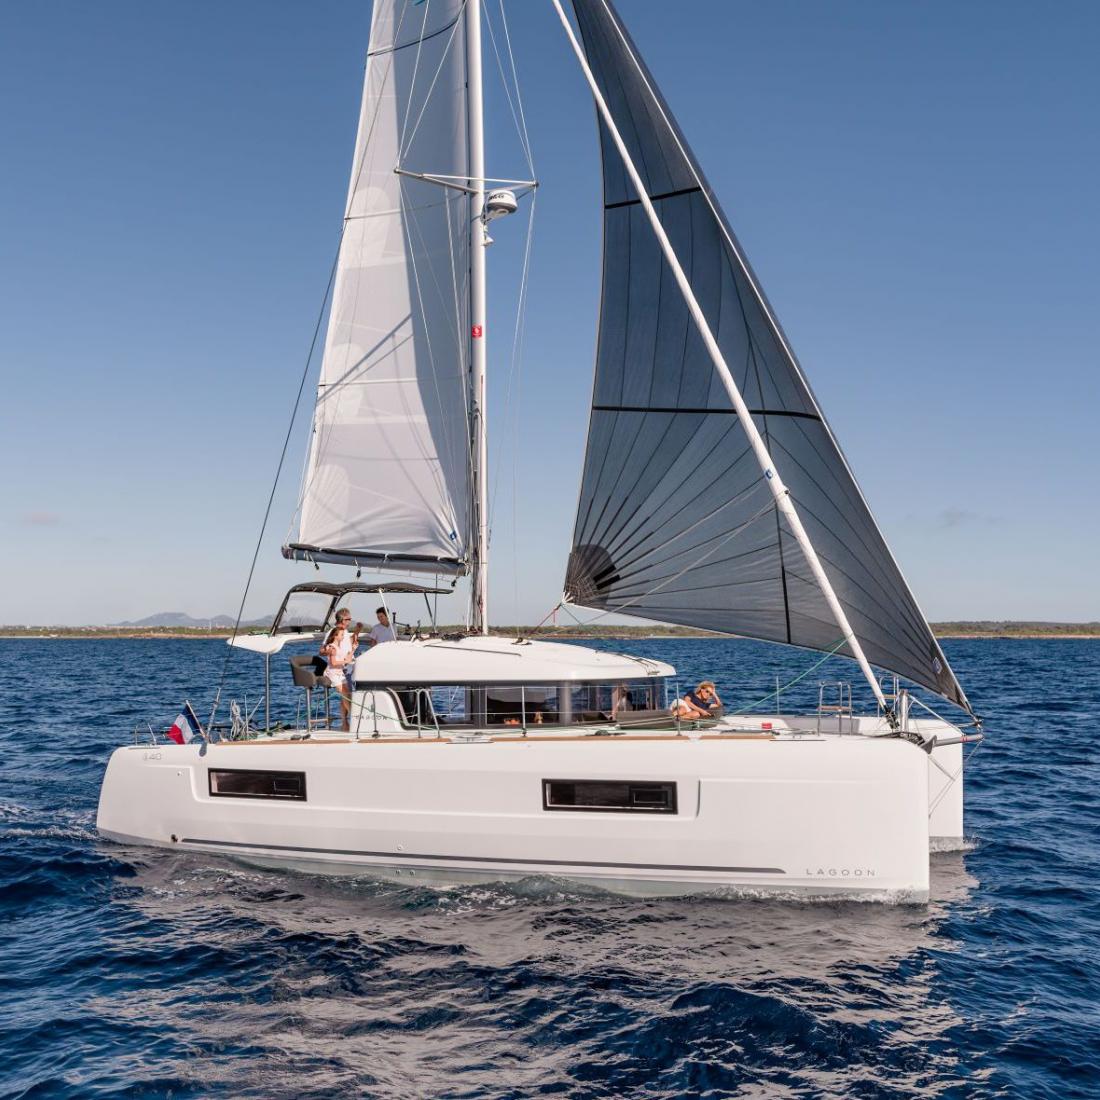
(459, 356)
(412, 82)
(518, 346)
(888, 655)
(461, 292)
(539, 625)
(459, 348)
(515, 365)
(507, 91)
(952, 780)
(462, 322)
(404, 145)
(519, 95)
(693, 564)
(790, 683)
(278, 473)
(434, 466)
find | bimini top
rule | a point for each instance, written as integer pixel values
(307, 611)
(488, 660)
(286, 623)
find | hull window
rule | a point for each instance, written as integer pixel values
(238, 783)
(609, 796)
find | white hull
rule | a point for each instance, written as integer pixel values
(756, 814)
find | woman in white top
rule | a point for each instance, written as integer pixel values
(339, 651)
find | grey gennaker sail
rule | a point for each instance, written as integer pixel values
(675, 521)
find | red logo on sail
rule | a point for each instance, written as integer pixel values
(476, 331)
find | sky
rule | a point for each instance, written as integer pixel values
(915, 184)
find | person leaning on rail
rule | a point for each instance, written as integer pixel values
(700, 703)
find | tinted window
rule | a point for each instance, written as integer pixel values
(237, 783)
(609, 796)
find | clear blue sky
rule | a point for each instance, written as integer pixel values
(916, 185)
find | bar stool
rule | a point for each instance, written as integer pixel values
(308, 672)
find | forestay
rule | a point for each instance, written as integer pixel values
(675, 521)
(387, 477)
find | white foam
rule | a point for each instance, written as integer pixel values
(952, 843)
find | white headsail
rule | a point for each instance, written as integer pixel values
(387, 482)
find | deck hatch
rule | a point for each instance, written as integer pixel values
(253, 783)
(623, 796)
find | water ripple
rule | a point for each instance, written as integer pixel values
(148, 973)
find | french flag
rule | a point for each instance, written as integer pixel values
(186, 727)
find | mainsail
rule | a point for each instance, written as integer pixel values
(675, 520)
(387, 481)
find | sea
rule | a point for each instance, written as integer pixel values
(133, 972)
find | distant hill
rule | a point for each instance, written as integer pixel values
(181, 620)
(981, 628)
(169, 624)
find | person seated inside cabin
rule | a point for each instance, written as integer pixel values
(339, 651)
(620, 700)
(383, 631)
(700, 703)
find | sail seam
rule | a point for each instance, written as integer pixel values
(695, 410)
(417, 41)
(652, 198)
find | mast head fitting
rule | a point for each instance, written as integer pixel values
(499, 203)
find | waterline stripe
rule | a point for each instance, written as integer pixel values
(400, 856)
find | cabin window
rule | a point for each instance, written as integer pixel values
(238, 783)
(624, 796)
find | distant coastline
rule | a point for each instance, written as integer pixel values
(961, 629)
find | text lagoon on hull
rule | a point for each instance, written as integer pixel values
(714, 494)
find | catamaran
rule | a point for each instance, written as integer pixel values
(714, 495)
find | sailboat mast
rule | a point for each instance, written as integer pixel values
(479, 595)
(780, 492)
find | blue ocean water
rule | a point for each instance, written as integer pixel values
(147, 973)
